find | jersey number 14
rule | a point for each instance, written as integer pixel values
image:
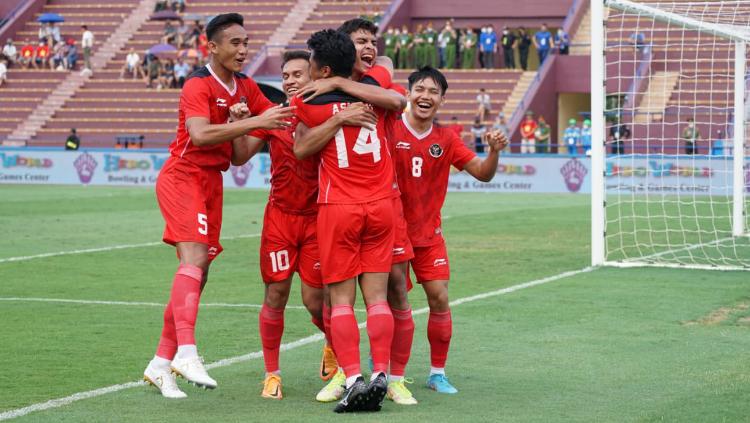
(367, 143)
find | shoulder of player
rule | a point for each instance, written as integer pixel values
(198, 74)
(332, 97)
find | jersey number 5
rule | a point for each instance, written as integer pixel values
(367, 143)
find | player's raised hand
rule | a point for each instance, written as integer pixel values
(317, 87)
(496, 140)
(239, 111)
(358, 114)
(276, 117)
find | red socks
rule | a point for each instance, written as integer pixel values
(271, 323)
(439, 330)
(168, 342)
(403, 334)
(186, 294)
(345, 334)
(380, 332)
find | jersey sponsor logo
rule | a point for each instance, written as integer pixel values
(436, 151)
(85, 165)
(220, 102)
(316, 266)
(573, 172)
(399, 251)
(212, 251)
(440, 262)
(403, 145)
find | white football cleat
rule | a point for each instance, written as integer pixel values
(164, 381)
(193, 371)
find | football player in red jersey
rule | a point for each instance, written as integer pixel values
(289, 242)
(190, 192)
(369, 68)
(424, 155)
(355, 217)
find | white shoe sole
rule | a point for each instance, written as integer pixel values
(193, 382)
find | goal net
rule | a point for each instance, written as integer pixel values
(673, 177)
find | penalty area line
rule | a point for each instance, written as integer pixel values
(61, 402)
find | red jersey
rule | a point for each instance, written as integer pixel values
(528, 127)
(294, 182)
(356, 165)
(27, 51)
(423, 163)
(205, 95)
(42, 51)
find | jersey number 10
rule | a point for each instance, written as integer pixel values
(367, 143)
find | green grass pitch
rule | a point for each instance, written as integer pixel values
(606, 345)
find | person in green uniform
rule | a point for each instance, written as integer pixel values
(419, 47)
(543, 139)
(451, 38)
(431, 49)
(404, 45)
(390, 39)
(469, 49)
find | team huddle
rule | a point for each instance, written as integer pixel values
(359, 175)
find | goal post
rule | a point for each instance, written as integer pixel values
(669, 90)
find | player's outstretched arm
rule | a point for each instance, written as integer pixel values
(203, 133)
(308, 141)
(244, 147)
(484, 169)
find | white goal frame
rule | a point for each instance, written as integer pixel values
(598, 123)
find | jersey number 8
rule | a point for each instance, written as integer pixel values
(416, 166)
(367, 143)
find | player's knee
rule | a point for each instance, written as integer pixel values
(397, 296)
(315, 308)
(438, 300)
(276, 295)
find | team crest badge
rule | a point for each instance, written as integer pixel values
(574, 173)
(436, 151)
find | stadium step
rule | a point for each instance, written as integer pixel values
(519, 91)
(656, 97)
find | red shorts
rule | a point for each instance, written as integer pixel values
(289, 244)
(355, 238)
(431, 263)
(402, 250)
(190, 200)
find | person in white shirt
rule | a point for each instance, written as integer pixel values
(132, 65)
(87, 43)
(3, 72)
(10, 52)
(484, 103)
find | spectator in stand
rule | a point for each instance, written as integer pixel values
(456, 127)
(87, 44)
(132, 65)
(586, 137)
(72, 142)
(10, 52)
(390, 40)
(717, 147)
(691, 135)
(184, 33)
(181, 72)
(543, 42)
(54, 33)
(619, 133)
(469, 49)
(154, 67)
(171, 35)
(501, 125)
(44, 33)
(377, 16)
(543, 136)
(404, 45)
(528, 131)
(72, 58)
(420, 52)
(166, 75)
(638, 39)
(488, 46)
(195, 32)
(449, 38)
(430, 42)
(59, 55)
(562, 40)
(524, 44)
(508, 43)
(484, 104)
(477, 132)
(178, 5)
(160, 5)
(27, 54)
(3, 71)
(572, 136)
(41, 56)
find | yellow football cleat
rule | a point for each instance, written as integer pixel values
(272, 387)
(328, 364)
(334, 390)
(399, 393)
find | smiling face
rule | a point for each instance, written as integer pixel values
(425, 99)
(367, 51)
(229, 48)
(295, 75)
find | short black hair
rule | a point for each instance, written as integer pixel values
(221, 22)
(333, 49)
(354, 25)
(290, 55)
(431, 73)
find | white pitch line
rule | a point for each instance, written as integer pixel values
(130, 303)
(102, 249)
(61, 402)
